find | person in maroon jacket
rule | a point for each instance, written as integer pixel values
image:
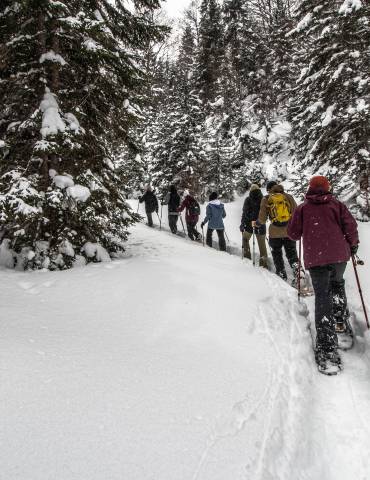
(330, 237)
(192, 212)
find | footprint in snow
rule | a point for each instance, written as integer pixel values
(26, 285)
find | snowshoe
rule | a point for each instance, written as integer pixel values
(344, 333)
(305, 287)
(328, 363)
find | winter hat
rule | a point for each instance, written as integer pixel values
(320, 183)
(270, 184)
(254, 186)
(213, 196)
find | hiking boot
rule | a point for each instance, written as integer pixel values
(323, 356)
(282, 274)
(263, 262)
(340, 327)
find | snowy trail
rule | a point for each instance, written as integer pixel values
(177, 362)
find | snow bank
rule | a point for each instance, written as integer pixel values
(180, 355)
(96, 252)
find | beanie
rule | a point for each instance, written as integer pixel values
(213, 196)
(254, 186)
(270, 184)
(320, 183)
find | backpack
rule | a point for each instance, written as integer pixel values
(151, 202)
(173, 202)
(279, 209)
(194, 208)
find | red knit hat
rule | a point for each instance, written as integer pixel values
(320, 183)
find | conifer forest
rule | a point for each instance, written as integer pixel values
(100, 98)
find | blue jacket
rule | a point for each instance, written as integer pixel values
(215, 213)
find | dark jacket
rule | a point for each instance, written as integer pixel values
(172, 199)
(251, 210)
(185, 205)
(215, 213)
(327, 227)
(150, 200)
(275, 231)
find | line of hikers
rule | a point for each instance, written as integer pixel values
(327, 228)
(215, 213)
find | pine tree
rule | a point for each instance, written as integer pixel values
(176, 142)
(210, 50)
(331, 111)
(69, 81)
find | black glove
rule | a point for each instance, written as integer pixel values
(354, 249)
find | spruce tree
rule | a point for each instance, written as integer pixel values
(330, 111)
(210, 50)
(68, 90)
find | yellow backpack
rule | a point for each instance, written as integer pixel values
(279, 209)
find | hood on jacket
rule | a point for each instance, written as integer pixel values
(256, 195)
(317, 195)
(277, 189)
(216, 202)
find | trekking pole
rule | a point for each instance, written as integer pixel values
(203, 236)
(299, 270)
(242, 246)
(355, 262)
(227, 238)
(160, 220)
(254, 247)
(182, 223)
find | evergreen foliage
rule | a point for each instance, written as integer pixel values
(68, 90)
(330, 110)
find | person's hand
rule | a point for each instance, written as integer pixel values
(354, 249)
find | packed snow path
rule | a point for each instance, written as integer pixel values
(177, 362)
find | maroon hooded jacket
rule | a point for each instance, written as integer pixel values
(327, 227)
(186, 203)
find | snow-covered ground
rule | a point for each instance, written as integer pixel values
(177, 362)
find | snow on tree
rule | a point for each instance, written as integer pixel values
(330, 111)
(69, 79)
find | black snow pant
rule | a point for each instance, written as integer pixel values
(150, 217)
(172, 222)
(330, 303)
(221, 239)
(192, 231)
(277, 245)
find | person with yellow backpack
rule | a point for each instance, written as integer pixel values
(278, 206)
